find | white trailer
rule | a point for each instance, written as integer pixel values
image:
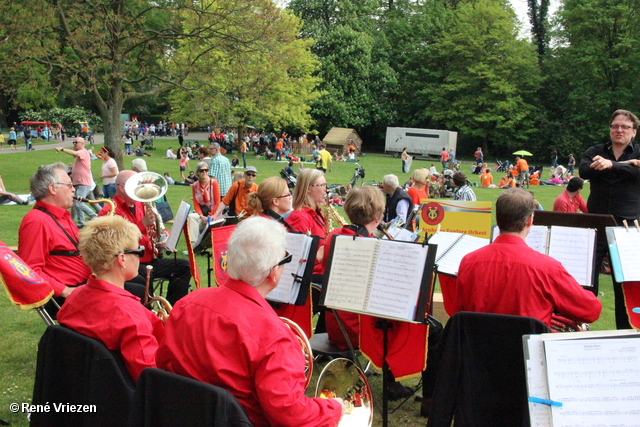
(424, 142)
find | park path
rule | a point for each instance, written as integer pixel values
(99, 141)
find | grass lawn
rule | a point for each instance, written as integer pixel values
(21, 330)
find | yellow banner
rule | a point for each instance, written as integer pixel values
(473, 218)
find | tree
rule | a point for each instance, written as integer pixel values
(539, 19)
(483, 78)
(272, 85)
(118, 50)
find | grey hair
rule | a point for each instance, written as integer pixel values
(139, 165)
(201, 164)
(255, 247)
(215, 145)
(43, 178)
(391, 181)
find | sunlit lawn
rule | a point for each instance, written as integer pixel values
(21, 330)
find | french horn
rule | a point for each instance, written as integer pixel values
(341, 378)
(305, 347)
(160, 306)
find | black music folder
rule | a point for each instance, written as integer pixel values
(295, 281)
(383, 278)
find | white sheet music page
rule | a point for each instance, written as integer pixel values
(574, 247)
(396, 280)
(178, 223)
(351, 271)
(444, 240)
(629, 250)
(450, 262)
(537, 386)
(537, 238)
(596, 380)
(297, 245)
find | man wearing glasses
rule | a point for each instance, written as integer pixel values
(220, 168)
(613, 170)
(236, 198)
(81, 178)
(48, 239)
(249, 351)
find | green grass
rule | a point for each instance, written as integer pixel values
(21, 330)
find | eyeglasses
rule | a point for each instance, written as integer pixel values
(286, 195)
(68, 184)
(286, 260)
(251, 174)
(621, 127)
(138, 252)
(203, 170)
(76, 142)
(319, 185)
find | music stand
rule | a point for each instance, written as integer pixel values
(579, 220)
(422, 305)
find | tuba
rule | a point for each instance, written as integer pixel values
(147, 187)
(343, 379)
(561, 323)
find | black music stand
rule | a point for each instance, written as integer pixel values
(203, 244)
(579, 220)
(422, 313)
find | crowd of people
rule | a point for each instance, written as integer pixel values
(254, 355)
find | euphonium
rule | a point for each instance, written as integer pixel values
(112, 206)
(147, 187)
(560, 323)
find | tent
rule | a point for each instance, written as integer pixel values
(338, 139)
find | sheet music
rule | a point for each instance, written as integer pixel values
(400, 234)
(444, 240)
(298, 246)
(397, 279)
(178, 224)
(449, 262)
(574, 248)
(353, 259)
(536, 239)
(629, 252)
(597, 381)
(537, 385)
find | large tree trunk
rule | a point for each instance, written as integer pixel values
(110, 110)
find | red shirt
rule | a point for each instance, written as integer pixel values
(508, 277)
(39, 235)
(135, 218)
(114, 316)
(416, 195)
(244, 347)
(307, 220)
(564, 203)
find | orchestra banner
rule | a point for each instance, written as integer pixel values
(219, 238)
(24, 287)
(472, 218)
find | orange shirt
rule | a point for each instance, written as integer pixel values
(486, 180)
(522, 165)
(279, 145)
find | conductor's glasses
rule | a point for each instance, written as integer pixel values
(621, 127)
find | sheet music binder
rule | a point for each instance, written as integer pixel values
(544, 239)
(452, 247)
(594, 355)
(335, 283)
(178, 223)
(624, 249)
(299, 284)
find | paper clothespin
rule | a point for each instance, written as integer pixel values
(626, 226)
(635, 222)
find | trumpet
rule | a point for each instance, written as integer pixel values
(160, 306)
(112, 206)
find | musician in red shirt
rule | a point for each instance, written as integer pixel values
(485, 278)
(102, 309)
(250, 351)
(570, 199)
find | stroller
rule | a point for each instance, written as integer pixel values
(502, 167)
(291, 179)
(147, 142)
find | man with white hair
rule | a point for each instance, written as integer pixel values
(139, 165)
(252, 353)
(398, 201)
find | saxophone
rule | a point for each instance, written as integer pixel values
(330, 215)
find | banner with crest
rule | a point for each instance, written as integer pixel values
(24, 287)
(219, 238)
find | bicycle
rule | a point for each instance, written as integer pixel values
(358, 174)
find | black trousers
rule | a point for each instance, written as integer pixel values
(176, 270)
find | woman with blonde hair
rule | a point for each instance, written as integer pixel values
(308, 198)
(103, 309)
(272, 200)
(420, 188)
